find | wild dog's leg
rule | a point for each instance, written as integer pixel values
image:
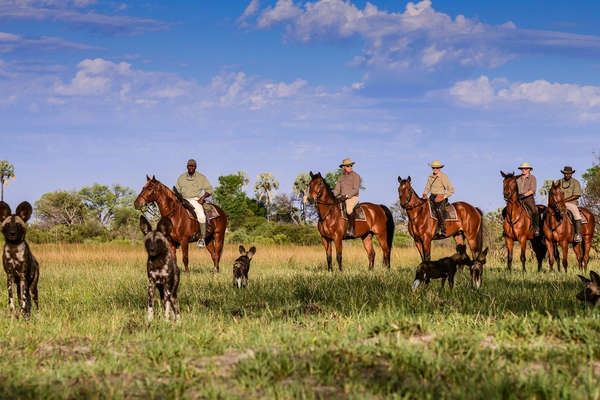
(509, 251)
(451, 280)
(338, 250)
(33, 284)
(565, 252)
(327, 245)
(11, 297)
(167, 301)
(174, 297)
(550, 248)
(368, 243)
(577, 250)
(151, 288)
(24, 292)
(523, 243)
(161, 293)
(443, 283)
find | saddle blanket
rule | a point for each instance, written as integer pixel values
(451, 215)
(359, 213)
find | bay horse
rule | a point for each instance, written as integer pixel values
(332, 225)
(422, 226)
(518, 225)
(184, 226)
(559, 229)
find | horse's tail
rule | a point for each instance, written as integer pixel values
(479, 240)
(389, 225)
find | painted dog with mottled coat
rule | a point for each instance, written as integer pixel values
(21, 267)
(162, 269)
(591, 289)
(444, 268)
(241, 267)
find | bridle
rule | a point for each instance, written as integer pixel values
(170, 213)
(410, 196)
(508, 197)
(318, 196)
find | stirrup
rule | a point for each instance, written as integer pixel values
(201, 243)
(577, 238)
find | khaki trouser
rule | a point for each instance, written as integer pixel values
(351, 203)
(198, 209)
(574, 210)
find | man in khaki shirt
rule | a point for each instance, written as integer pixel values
(572, 190)
(347, 186)
(191, 184)
(440, 188)
(526, 185)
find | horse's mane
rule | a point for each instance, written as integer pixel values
(168, 191)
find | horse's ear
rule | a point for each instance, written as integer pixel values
(311, 175)
(408, 179)
(165, 226)
(503, 174)
(399, 179)
(595, 277)
(24, 211)
(147, 178)
(484, 253)
(145, 225)
(153, 178)
(251, 252)
(242, 250)
(319, 174)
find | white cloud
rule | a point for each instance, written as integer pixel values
(249, 11)
(475, 92)
(283, 11)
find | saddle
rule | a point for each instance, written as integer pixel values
(359, 213)
(451, 215)
(572, 218)
(210, 210)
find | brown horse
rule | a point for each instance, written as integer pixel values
(517, 224)
(184, 226)
(559, 229)
(422, 226)
(331, 225)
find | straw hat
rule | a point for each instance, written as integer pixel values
(567, 170)
(525, 165)
(347, 163)
(436, 164)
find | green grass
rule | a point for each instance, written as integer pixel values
(297, 331)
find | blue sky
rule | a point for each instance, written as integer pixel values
(109, 91)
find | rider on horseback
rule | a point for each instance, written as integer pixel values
(190, 185)
(346, 188)
(572, 190)
(440, 188)
(526, 184)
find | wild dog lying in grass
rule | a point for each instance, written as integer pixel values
(591, 290)
(241, 266)
(163, 272)
(442, 268)
(20, 265)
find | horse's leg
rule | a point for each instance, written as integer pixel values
(556, 254)
(185, 253)
(419, 245)
(577, 250)
(338, 250)
(472, 241)
(368, 243)
(327, 244)
(509, 251)
(523, 244)
(549, 246)
(427, 248)
(565, 249)
(385, 249)
(211, 247)
(586, 251)
(218, 239)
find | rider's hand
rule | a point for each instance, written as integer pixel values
(424, 196)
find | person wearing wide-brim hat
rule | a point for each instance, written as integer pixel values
(347, 187)
(572, 191)
(190, 185)
(438, 184)
(527, 185)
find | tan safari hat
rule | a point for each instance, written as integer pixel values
(191, 162)
(436, 164)
(525, 165)
(567, 170)
(347, 163)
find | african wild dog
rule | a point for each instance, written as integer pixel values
(477, 268)
(591, 290)
(442, 268)
(241, 266)
(20, 265)
(163, 272)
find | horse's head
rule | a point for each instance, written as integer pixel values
(316, 187)
(509, 186)
(477, 268)
(148, 193)
(405, 191)
(556, 199)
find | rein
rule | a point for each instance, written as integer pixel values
(405, 205)
(170, 213)
(326, 204)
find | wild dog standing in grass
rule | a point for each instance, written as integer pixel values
(241, 266)
(163, 272)
(477, 268)
(591, 290)
(442, 268)
(20, 265)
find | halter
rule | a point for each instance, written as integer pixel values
(324, 203)
(508, 198)
(405, 205)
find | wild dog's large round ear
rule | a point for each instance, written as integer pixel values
(145, 225)
(595, 277)
(583, 279)
(251, 252)
(484, 253)
(4, 210)
(165, 226)
(24, 211)
(242, 250)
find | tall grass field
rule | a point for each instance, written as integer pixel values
(298, 331)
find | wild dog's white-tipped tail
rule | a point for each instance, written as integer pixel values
(416, 284)
(239, 282)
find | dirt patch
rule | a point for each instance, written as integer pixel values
(75, 348)
(421, 339)
(223, 364)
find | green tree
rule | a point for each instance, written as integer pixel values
(332, 177)
(300, 188)
(102, 201)
(591, 197)
(265, 188)
(7, 171)
(232, 199)
(60, 208)
(545, 189)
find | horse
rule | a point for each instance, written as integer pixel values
(332, 225)
(559, 229)
(422, 226)
(184, 226)
(518, 225)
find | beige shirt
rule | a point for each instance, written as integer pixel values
(192, 186)
(572, 187)
(524, 185)
(439, 184)
(347, 184)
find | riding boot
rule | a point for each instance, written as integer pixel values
(535, 218)
(441, 227)
(201, 242)
(577, 237)
(351, 221)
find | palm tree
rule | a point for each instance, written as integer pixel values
(300, 187)
(7, 171)
(266, 188)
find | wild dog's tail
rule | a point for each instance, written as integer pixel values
(479, 241)
(389, 225)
